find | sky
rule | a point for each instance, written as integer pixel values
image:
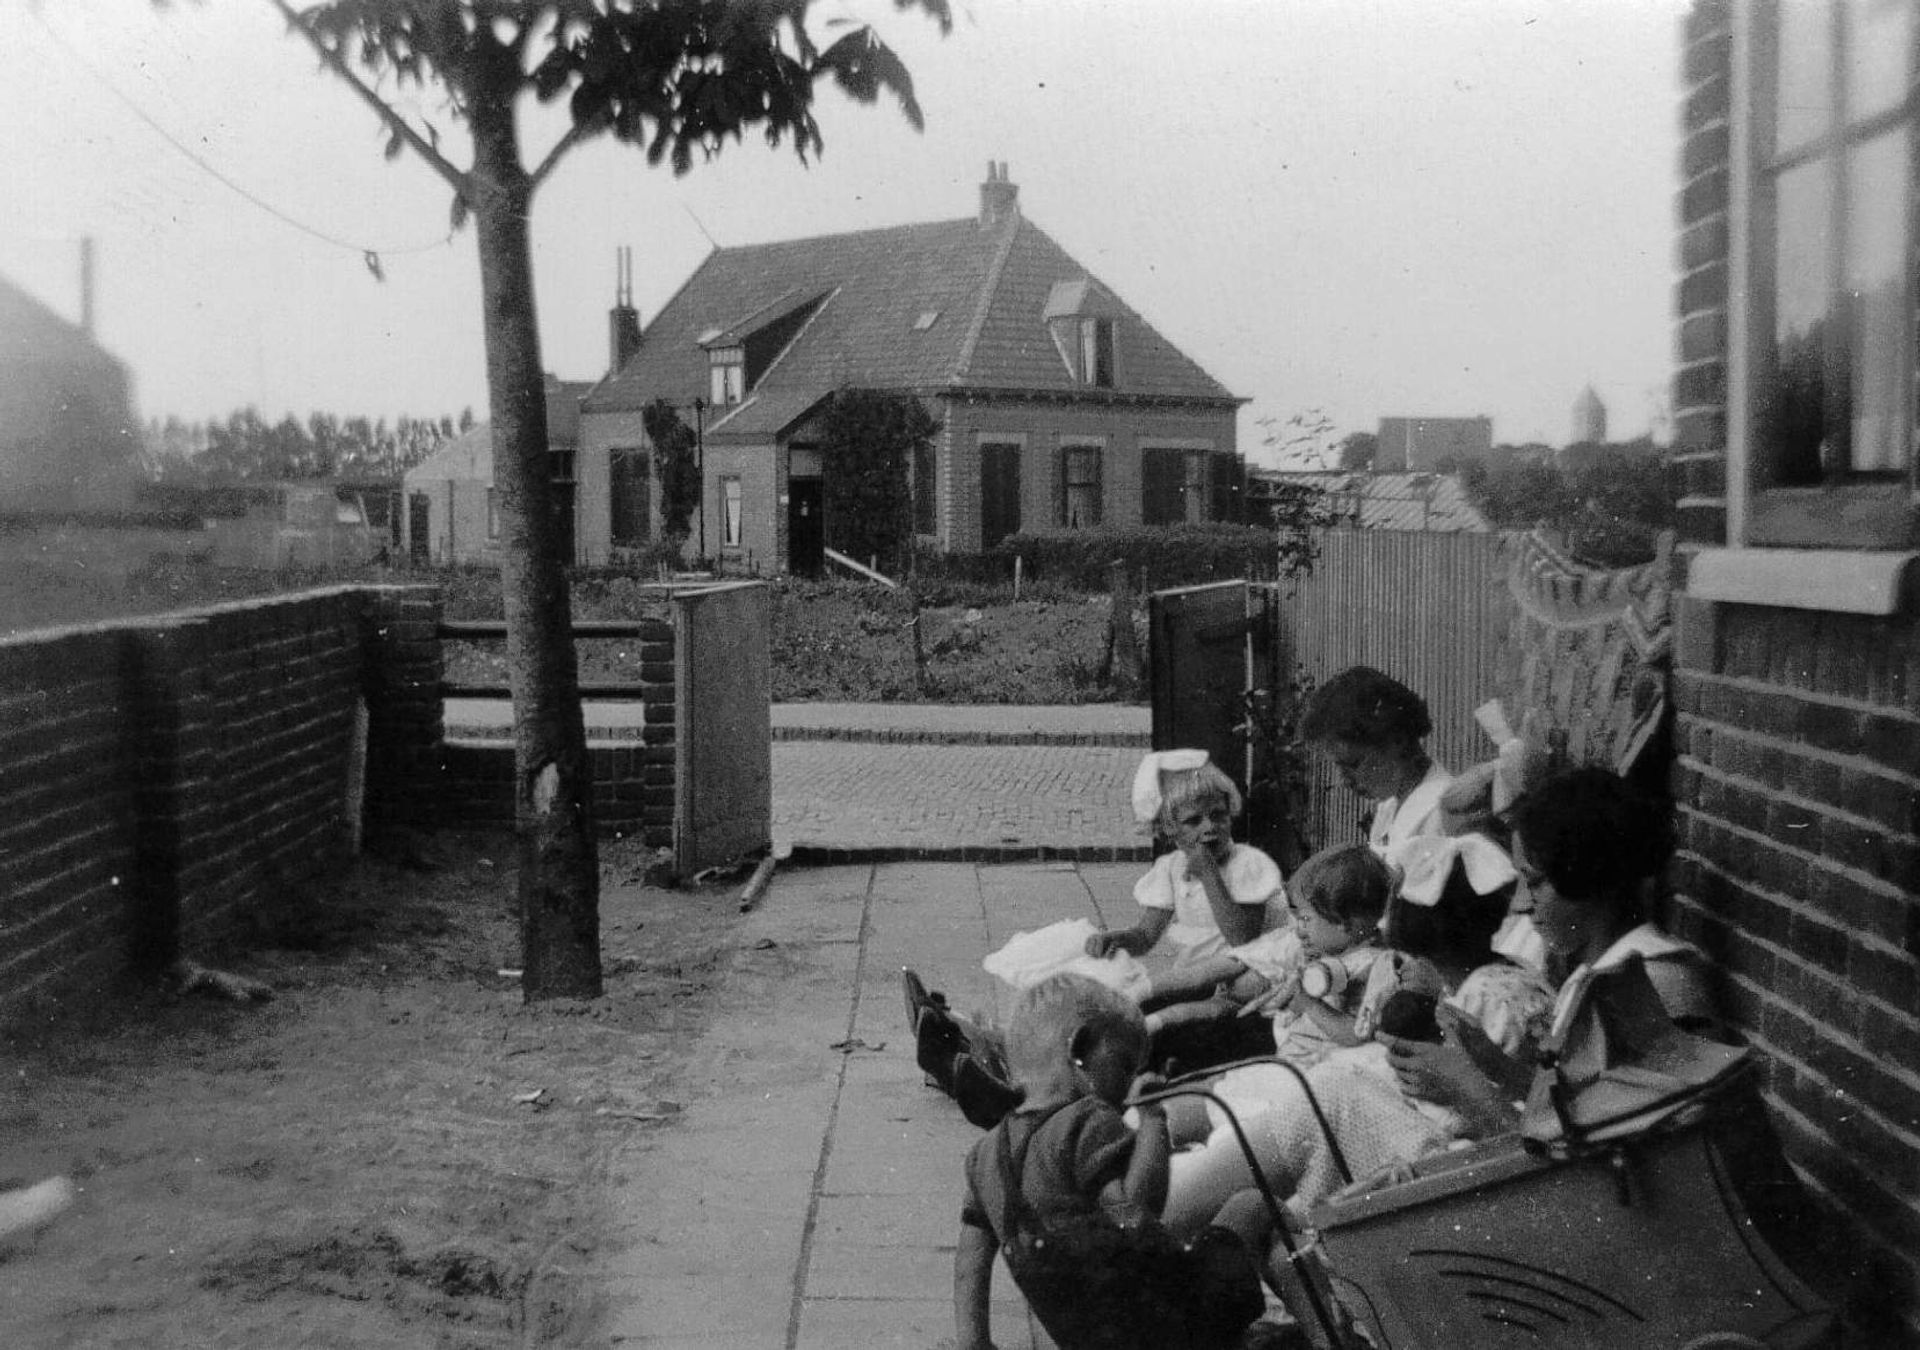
(1342, 209)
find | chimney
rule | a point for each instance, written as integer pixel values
(623, 320)
(999, 198)
(86, 286)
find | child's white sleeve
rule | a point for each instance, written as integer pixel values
(1155, 890)
(1251, 877)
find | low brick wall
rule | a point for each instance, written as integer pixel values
(166, 775)
(633, 776)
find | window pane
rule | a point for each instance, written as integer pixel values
(1802, 294)
(1195, 489)
(1804, 70)
(1879, 55)
(730, 518)
(1878, 336)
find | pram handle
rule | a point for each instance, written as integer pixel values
(1190, 1085)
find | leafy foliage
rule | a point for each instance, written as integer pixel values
(1611, 501)
(246, 448)
(1166, 555)
(675, 465)
(868, 439)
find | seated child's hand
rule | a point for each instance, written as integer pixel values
(1393, 1174)
(1104, 944)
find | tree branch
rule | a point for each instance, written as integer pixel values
(575, 134)
(461, 183)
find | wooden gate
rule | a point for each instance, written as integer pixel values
(1211, 654)
(723, 742)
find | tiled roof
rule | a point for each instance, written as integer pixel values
(1393, 501)
(466, 458)
(986, 289)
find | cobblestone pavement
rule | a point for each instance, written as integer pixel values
(837, 800)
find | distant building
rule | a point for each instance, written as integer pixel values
(1428, 444)
(452, 506)
(68, 437)
(1060, 406)
(1430, 502)
(1589, 419)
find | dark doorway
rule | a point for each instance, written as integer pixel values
(420, 529)
(806, 532)
(999, 493)
(562, 501)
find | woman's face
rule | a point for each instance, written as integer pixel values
(1568, 927)
(1375, 772)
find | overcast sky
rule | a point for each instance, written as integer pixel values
(1364, 207)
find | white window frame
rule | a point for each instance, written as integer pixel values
(732, 512)
(1847, 553)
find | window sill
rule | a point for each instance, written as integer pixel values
(1880, 583)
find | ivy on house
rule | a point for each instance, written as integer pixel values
(675, 465)
(868, 438)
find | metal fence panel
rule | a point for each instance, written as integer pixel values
(1431, 610)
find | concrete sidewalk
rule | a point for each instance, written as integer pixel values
(808, 1197)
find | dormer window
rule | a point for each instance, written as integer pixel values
(726, 376)
(1096, 353)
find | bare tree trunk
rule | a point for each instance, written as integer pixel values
(559, 872)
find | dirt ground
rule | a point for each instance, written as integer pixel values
(361, 1162)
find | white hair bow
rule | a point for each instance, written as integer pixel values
(1146, 779)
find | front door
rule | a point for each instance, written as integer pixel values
(806, 527)
(999, 493)
(420, 529)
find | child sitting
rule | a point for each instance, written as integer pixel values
(1073, 1196)
(1208, 894)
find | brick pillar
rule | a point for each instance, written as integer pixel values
(406, 729)
(1700, 381)
(659, 690)
(171, 764)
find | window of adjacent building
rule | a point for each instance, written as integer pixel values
(1175, 486)
(629, 497)
(1829, 351)
(493, 513)
(1080, 496)
(926, 518)
(727, 376)
(730, 512)
(1096, 353)
(1194, 486)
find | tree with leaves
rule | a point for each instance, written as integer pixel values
(676, 465)
(677, 77)
(868, 440)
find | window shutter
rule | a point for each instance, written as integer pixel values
(1060, 485)
(1099, 510)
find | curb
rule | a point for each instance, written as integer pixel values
(827, 855)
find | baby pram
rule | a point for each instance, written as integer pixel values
(1646, 1203)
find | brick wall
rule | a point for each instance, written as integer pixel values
(1797, 783)
(633, 780)
(166, 775)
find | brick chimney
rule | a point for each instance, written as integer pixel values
(623, 320)
(999, 198)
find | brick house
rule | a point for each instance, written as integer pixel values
(1798, 658)
(1060, 407)
(452, 506)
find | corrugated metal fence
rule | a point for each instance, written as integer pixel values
(1431, 610)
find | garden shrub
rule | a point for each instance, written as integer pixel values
(1165, 555)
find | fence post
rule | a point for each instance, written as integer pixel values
(1123, 647)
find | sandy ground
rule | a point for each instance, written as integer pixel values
(361, 1162)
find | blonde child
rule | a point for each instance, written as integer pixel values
(1208, 894)
(1073, 1196)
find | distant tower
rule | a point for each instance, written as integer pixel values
(1589, 418)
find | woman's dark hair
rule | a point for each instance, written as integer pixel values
(1592, 834)
(1458, 931)
(1367, 707)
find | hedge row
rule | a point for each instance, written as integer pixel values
(1080, 560)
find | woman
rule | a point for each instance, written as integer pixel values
(1589, 845)
(1374, 729)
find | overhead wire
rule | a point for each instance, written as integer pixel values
(369, 255)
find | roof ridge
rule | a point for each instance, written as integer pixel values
(873, 230)
(989, 287)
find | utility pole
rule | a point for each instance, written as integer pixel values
(700, 466)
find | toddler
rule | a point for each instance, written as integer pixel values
(1209, 894)
(1073, 1196)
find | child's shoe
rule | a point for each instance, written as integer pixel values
(984, 1099)
(937, 1039)
(918, 999)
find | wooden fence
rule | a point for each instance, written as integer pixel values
(1432, 610)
